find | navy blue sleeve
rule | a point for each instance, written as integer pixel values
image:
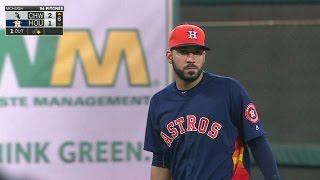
(158, 160)
(264, 157)
(152, 141)
(245, 114)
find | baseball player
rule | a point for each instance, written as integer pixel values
(201, 126)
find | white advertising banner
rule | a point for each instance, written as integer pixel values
(74, 107)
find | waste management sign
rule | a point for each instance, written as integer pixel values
(75, 106)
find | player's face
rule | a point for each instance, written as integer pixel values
(187, 62)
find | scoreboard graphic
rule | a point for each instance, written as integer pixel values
(34, 20)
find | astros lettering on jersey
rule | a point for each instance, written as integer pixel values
(213, 119)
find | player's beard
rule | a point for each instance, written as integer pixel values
(185, 75)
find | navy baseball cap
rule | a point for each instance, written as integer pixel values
(187, 35)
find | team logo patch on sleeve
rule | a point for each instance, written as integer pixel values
(251, 113)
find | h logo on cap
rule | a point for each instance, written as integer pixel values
(192, 34)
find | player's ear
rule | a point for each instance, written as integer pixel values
(204, 56)
(169, 56)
